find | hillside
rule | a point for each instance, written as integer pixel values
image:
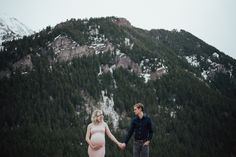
(52, 80)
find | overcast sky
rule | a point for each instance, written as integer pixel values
(213, 21)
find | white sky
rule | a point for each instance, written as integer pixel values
(213, 21)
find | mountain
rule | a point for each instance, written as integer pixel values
(51, 81)
(11, 28)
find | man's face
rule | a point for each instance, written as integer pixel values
(137, 111)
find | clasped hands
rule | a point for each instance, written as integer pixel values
(123, 145)
(120, 145)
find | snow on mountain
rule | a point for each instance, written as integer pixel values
(11, 28)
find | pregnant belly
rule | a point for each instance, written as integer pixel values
(98, 139)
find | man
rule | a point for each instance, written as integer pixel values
(141, 125)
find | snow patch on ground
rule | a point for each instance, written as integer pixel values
(192, 60)
(107, 106)
(215, 55)
(152, 68)
(146, 77)
(214, 68)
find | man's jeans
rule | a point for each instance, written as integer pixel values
(139, 150)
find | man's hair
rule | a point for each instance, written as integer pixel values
(139, 105)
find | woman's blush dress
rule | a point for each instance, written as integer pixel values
(97, 138)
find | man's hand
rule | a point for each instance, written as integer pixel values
(146, 143)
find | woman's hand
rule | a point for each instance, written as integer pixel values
(121, 145)
(95, 147)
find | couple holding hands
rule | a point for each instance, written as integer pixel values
(141, 125)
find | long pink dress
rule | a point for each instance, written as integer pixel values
(97, 138)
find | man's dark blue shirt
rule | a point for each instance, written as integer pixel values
(142, 129)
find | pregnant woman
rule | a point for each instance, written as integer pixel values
(95, 135)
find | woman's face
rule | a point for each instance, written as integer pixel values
(100, 116)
